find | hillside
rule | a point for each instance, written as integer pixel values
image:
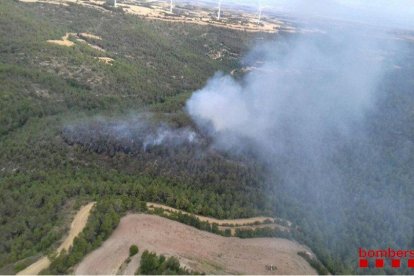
(92, 109)
(46, 87)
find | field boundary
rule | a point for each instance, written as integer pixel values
(233, 226)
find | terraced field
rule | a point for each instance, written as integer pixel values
(197, 250)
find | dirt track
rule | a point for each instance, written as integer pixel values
(78, 223)
(198, 250)
(244, 221)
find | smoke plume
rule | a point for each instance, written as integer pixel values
(311, 110)
(129, 135)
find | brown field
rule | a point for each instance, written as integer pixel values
(78, 223)
(197, 250)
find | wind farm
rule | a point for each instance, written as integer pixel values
(246, 18)
(243, 18)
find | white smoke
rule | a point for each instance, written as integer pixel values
(304, 111)
(302, 93)
(395, 13)
(133, 133)
(310, 91)
(170, 137)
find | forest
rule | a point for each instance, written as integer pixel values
(151, 264)
(46, 88)
(59, 107)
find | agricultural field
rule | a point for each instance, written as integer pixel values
(197, 250)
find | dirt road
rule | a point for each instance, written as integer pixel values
(244, 221)
(197, 250)
(78, 223)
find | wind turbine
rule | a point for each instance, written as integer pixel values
(259, 17)
(219, 10)
(171, 6)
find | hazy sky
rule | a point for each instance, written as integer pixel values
(306, 112)
(398, 13)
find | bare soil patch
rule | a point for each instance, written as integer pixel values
(80, 37)
(89, 35)
(197, 250)
(106, 60)
(64, 41)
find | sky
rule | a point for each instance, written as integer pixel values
(310, 112)
(398, 13)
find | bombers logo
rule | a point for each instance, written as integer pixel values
(377, 258)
